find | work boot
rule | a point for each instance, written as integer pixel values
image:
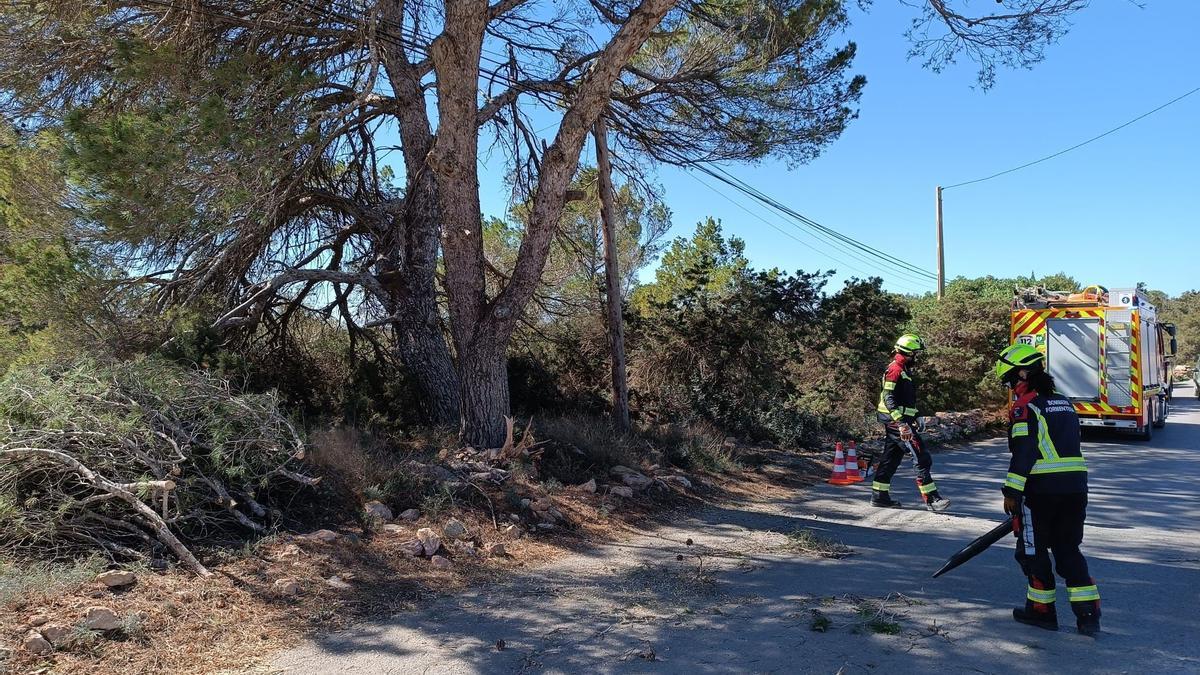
(883, 499)
(937, 502)
(1028, 617)
(1088, 626)
(1087, 617)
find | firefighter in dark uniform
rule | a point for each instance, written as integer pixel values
(1046, 492)
(897, 411)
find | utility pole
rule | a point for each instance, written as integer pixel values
(612, 279)
(940, 252)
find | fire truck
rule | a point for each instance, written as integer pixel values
(1107, 350)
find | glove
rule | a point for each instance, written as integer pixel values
(906, 432)
(1012, 505)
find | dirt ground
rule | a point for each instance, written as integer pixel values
(173, 621)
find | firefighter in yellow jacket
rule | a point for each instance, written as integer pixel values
(897, 411)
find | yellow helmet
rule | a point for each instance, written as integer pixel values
(909, 344)
(1017, 356)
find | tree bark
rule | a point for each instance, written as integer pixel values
(420, 340)
(412, 245)
(454, 158)
(483, 371)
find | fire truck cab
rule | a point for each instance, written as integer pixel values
(1107, 351)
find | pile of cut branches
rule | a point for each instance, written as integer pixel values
(136, 459)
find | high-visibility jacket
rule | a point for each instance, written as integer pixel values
(898, 397)
(1043, 437)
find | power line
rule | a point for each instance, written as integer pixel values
(1077, 146)
(791, 236)
(834, 237)
(866, 249)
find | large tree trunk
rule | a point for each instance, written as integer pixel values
(483, 371)
(422, 348)
(481, 327)
(478, 346)
(413, 242)
(420, 339)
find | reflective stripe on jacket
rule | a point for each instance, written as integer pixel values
(1043, 437)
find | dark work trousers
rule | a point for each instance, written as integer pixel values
(1053, 525)
(894, 450)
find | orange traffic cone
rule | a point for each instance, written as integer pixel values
(852, 467)
(839, 467)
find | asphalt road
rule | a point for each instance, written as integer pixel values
(749, 603)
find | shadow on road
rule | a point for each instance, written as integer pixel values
(738, 602)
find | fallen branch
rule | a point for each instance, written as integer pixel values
(161, 531)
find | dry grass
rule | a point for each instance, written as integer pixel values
(177, 622)
(39, 580)
(237, 619)
(595, 439)
(808, 542)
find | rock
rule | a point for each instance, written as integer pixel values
(546, 526)
(621, 491)
(514, 518)
(496, 550)
(410, 515)
(543, 504)
(678, 480)
(589, 487)
(440, 562)
(323, 536)
(634, 479)
(430, 540)
(377, 510)
(433, 472)
(637, 481)
(554, 513)
(37, 620)
(339, 583)
(526, 503)
(494, 476)
(466, 548)
(56, 633)
(101, 618)
(413, 548)
(291, 552)
(34, 643)
(394, 529)
(287, 586)
(454, 529)
(116, 578)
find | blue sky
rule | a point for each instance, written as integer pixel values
(1121, 210)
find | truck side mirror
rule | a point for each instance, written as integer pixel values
(1174, 346)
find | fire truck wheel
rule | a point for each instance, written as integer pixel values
(1160, 420)
(1144, 433)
